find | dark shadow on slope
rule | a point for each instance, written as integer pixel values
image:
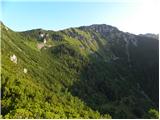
(122, 89)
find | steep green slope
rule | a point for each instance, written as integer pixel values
(42, 91)
(85, 72)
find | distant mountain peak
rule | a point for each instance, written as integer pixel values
(100, 28)
(151, 35)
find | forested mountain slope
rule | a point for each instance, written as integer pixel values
(92, 71)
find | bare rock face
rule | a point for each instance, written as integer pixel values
(44, 41)
(6, 28)
(13, 58)
(100, 28)
(75, 35)
(43, 37)
(25, 70)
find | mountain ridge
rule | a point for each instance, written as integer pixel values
(82, 26)
(92, 74)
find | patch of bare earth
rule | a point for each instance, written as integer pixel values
(40, 45)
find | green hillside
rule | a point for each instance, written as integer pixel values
(92, 71)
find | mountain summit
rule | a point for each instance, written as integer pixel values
(100, 28)
(92, 71)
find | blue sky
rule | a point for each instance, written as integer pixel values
(131, 17)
